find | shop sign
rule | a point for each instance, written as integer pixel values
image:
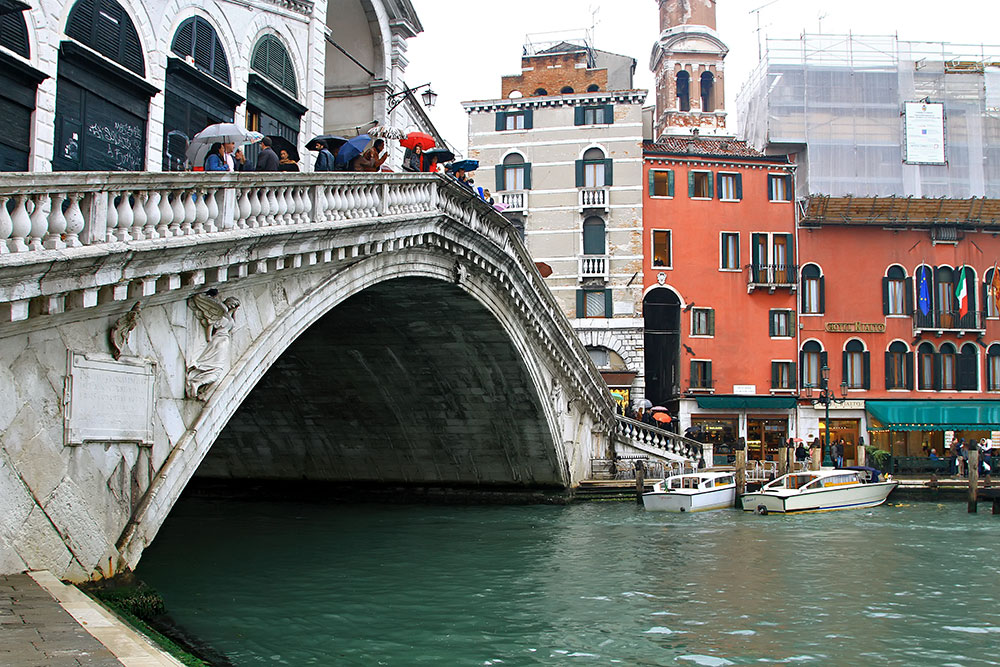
(846, 405)
(745, 389)
(855, 327)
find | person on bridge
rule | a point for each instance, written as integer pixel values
(325, 159)
(268, 159)
(216, 159)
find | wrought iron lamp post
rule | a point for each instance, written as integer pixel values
(428, 96)
(826, 397)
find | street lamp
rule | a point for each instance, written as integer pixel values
(428, 96)
(826, 397)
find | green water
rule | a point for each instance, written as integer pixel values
(589, 584)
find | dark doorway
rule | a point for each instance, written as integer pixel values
(662, 320)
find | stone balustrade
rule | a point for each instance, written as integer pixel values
(637, 433)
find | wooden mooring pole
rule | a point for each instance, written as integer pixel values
(741, 476)
(640, 480)
(973, 479)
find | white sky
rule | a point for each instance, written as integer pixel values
(468, 45)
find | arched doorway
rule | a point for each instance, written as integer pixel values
(661, 310)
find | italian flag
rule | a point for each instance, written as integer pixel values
(962, 294)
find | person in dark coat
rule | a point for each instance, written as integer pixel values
(268, 159)
(325, 159)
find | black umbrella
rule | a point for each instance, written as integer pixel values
(331, 141)
(281, 144)
(442, 155)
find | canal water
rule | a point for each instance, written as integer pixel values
(589, 584)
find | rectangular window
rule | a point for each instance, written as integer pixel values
(593, 174)
(594, 303)
(513, 178)
(702, 322)
(895, 370)
(728, 187)
(514, 121)
(948, 371)
(782, 324)
(700, 184)
(855, 370)
(730, 255)
(810, 296)
(701, 374)
(779, 187)
(594, 116)
(993, 372)
(662, 252)
(897, 299)
(810, 369)
(926, 363)
(661, 182)
(782, 375)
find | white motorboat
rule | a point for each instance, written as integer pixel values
(820, 491)
(692, 492)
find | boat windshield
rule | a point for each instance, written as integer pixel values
(796, 481)
(836, 480)
(684, 482)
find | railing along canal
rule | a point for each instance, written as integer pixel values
(657, 438)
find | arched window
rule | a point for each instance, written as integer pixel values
(944, 296)
(924, 314)
(593, 88)
(965, 297)
(991, 294)
(857, 365)
(593, 236)
(683, 91)
(811, 359)
(926, 363)
(105, 26)
(993, 368)
(813, 298)
(949, 367)
(895, 293)
(898, 366)
(513, 173)
(541, 91)
(271, 60)
(968, 368)
(197, 39)
(707, 99)
(567, 90)
(14, 33)
(594, 175)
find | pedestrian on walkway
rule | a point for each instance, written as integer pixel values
(268, 159)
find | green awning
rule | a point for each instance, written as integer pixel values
(747, 402)
(935, 415)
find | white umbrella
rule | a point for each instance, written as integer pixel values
(222, 133)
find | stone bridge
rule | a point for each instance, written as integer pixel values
(363, 328)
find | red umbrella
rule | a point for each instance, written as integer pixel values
(414, 139)
(662, 417)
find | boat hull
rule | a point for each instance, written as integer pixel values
(699, 501)
(820, 500)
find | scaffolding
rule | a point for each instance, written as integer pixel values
(837, 101)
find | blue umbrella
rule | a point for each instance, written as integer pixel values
(353, 148)
(467, 165)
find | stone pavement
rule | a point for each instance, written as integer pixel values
(45, 623)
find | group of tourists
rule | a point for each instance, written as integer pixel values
(226, 157)
(958, 457)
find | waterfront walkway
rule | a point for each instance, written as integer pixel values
(44, 622)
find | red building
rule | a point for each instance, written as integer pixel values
(720, 281)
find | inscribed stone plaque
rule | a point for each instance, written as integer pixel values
(108, 401)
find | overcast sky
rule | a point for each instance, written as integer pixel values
(467, 46)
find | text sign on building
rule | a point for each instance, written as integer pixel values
(855, 327)
(923, 125)
(108, 401)
(744, 389)
(845, 405)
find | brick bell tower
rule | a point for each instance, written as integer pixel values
(687, 63)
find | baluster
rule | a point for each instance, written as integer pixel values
(164, 229)
(278, 211)
(124, 218)
(20, 226)
(376, 200)
(189, 212)
(74, 221)
(177, 213)
(351, 202)
(139, 216)
(272, 207)
(57, 222)
(112, 218)
(200, 212)
(152, 214)
(253, 220)
(6, 225)
(39, 222)
(214, 224)
(243, 208)
(302, 206)
(337, 202)
(289, 215)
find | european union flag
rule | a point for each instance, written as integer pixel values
(924, 292)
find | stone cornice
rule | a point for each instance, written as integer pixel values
(602, 97)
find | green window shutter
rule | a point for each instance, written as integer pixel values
(823, 359)
(500, 179)
(822, 294)
(888, 375)
(694, 373)
(529, 119)
(691, 184)
(579, 174)
(609, 114)
(754, 254)
(938, 372)
(609, 171)
(670, 183)
(791, 375)
(770, 323)
(802, 364)
(501, 121)
(711, 183)
(739, 186)
(718, 178)
(578, 116)
(580, 296)
(775, 382)
(843, 368)
(708, 373)
(885, 296)
(609, 306)
(711, 322)
(527, 175)
(651, 174)
(867, 370)
(908, 371)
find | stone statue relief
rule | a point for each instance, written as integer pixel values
(118, 336)
(216, 315)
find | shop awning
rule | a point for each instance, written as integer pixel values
(935, 415)
(747, 402)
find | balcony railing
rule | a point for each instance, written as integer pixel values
(950, 320)
(514, 200)
(772, 276)
(593, 266)
(594, 198)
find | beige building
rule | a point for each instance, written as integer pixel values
(562, 150)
